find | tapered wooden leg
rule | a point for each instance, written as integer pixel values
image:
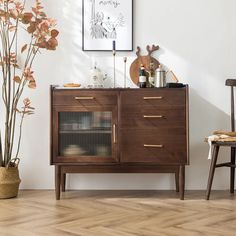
(181, 181)
(58, 181)
(177, 180)
(232, 170)
(212, 170)
(63, 182)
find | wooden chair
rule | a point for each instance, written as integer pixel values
(218, 144)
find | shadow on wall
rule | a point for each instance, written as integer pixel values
(204, 119)
(73, 60)
(199, 31)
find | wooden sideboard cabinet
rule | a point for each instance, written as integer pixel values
(119, 131)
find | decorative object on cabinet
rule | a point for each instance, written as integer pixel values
(174, 85)
(97, 77)
(71, 85)
(17, 76)
(160, 81)
(114, 62)
(144, 60)
(224, 142)
(176, 80)
(105, 21)
(125, 76)
(127, 131)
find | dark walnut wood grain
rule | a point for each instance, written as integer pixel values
(153, 97)
(151, 132)
(84, 98)
(140, 117)
(160, 146)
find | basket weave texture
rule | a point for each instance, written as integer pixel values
(9, 182)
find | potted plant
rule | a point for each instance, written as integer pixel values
(16, 61)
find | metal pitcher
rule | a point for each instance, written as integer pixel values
(160, 78)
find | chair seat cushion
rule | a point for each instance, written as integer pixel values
(222, 137)
(222, 132)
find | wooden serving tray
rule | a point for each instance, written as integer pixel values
(145, 60)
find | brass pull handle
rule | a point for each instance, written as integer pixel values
(84, 98)
(114, 133)
(153, 146)
(146, 116)
(152, 98)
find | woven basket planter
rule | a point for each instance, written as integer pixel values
(9, 182)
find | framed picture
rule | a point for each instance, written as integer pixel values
(106, 21)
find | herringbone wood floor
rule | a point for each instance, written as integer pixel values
(118, 213)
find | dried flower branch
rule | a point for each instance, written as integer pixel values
(15, 78)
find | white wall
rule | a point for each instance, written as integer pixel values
(197, 40)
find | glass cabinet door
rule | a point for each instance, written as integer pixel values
(87, 134)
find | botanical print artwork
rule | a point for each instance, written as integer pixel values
(105, 21)
(105, 26)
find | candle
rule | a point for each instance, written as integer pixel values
(114, 61)
(113, 45)
(125, 60)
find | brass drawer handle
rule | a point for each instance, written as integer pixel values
(152, 98)
(146, 116)
(114, 133)
(153, 146)
(84, 98)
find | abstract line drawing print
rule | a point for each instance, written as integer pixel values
(105, 26)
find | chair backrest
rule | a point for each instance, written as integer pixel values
(232, 84)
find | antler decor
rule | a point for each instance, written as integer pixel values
(149, 49)
(153, 49)
(144, 60)
(138, 51)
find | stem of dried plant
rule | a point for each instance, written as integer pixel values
(15, 79)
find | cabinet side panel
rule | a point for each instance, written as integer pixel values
(51, 122)
(187, 123)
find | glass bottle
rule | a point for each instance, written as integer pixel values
(142, 77)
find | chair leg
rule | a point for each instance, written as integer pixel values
(212, 170)
(232, 170)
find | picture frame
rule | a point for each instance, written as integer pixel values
(106, 21)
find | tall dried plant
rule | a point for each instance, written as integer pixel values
(16, 62)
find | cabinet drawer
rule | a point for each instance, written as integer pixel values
(84, 98)
(153, 97)
(149, 118)
(160, 146)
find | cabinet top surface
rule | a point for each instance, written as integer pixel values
(55, 87)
